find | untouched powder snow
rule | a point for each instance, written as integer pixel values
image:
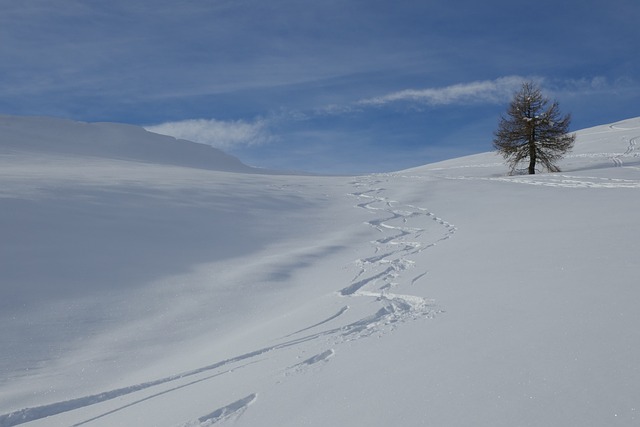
(109, 140)
(154, 282)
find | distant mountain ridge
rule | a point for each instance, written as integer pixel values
(49, 135)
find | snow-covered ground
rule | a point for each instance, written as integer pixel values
(152, 282)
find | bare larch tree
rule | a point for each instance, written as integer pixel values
(533, 130)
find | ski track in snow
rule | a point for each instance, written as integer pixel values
(231, 411)
(406, 231)
(313, 360)
(327, 320)
(632, 144)
(322, 357)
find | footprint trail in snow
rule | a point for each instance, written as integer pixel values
(404, 232)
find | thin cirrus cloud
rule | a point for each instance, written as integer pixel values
(217, 133)
(486, 91)
(237, 134)
(498, 91)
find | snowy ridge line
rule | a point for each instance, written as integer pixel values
(233, 410)
(553, 180)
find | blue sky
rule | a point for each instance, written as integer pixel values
(337, 86)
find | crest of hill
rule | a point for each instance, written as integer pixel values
(53, 136)
(598, 147)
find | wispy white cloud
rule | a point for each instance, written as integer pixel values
(486, 91)
(593, 85)
(496, 91)
(217, 133)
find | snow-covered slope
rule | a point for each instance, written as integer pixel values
(108, 140)
(139, 292)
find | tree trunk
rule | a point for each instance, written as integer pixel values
(532, 148)
(532, 159)
(532, 166)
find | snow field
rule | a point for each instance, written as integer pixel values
(451, 294)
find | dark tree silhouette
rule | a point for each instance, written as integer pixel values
(533, 130)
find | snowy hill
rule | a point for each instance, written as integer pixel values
(108, 140)
(138, 291)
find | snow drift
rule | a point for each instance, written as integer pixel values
(149, 281)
